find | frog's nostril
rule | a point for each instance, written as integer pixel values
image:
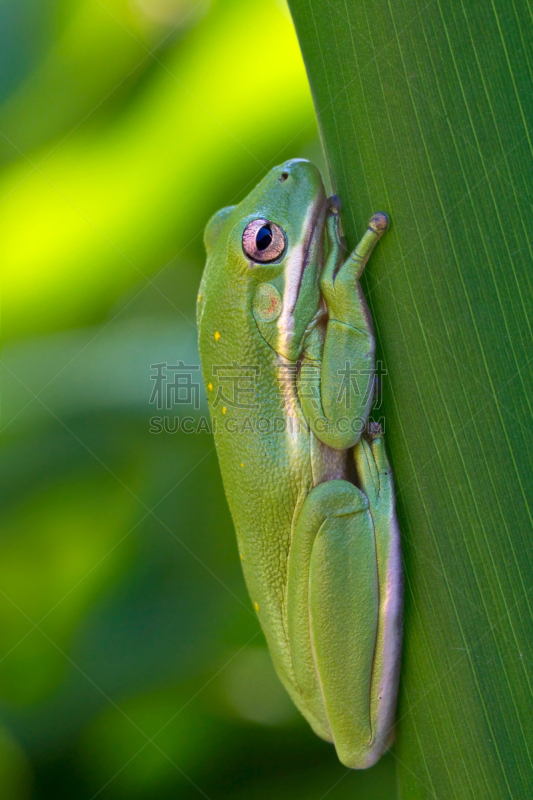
(284, 176)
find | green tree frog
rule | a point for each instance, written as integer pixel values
(287, 351)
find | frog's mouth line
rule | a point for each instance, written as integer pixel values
(295, 270)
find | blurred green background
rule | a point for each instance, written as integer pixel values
(131, 664)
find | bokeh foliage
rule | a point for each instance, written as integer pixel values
(425, 111)
(124, 125)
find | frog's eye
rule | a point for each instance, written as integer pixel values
(263, 241)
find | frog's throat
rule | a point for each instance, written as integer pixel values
(295, 267)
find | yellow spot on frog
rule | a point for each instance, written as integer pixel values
(223, 409)
(210, 387)
(242, 465)
(256, 606)
(199, 297)
(217, 336)
(240, 556)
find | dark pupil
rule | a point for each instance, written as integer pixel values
(263, 238)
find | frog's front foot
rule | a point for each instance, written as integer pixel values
(337, 283)
(379, 222)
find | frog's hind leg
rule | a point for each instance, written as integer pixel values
(332, 616)
(375, 480)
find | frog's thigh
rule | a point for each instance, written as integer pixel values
(333, 607)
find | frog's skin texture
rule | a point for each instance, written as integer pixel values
(312, 499)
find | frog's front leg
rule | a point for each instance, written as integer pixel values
(343, 616)
(336, 379)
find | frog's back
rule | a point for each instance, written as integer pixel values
(263, 444)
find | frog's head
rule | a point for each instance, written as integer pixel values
(274, 253)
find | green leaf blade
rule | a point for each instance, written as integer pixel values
(425, 112)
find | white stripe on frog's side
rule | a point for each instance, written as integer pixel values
(287, 371)
(294, 423)
(293, 274)
(294, 269)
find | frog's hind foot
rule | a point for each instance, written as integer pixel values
(373, 430)
(373, 470)
(334, 204)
